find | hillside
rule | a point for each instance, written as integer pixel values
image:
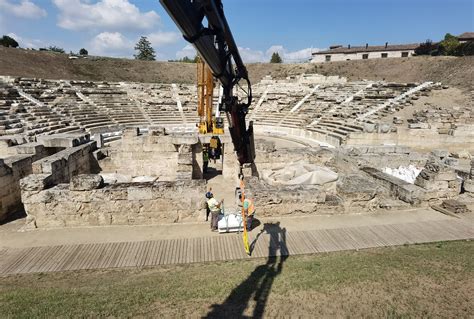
(17, 62)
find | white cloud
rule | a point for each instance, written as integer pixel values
(301, 55)
(161, 38)
(24, 9)
(276, 49)
(291, 56)
(26, 42)
(111, 44)
(249, 55)
(188, 51)
(104, 14)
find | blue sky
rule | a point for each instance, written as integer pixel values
(293, 28)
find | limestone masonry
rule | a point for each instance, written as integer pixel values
(80, 153)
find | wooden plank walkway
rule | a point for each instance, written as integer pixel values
(275, 242)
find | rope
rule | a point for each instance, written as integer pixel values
(245, 236)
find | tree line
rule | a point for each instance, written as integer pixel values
(450, 45)
(143, 48)
(9, 42)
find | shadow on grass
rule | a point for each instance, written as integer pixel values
(259, 283)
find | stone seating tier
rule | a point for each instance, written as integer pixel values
(336, 109)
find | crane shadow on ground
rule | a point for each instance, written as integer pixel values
(258, 284)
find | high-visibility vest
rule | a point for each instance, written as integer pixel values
(213, 143)
(251, 207)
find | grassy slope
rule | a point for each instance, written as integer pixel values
(16, 62)
(434, 280)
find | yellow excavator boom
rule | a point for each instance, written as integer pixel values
(205, 85)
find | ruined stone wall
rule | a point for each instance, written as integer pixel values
(384, 156)
(168, 157)
(8, 143)
(67, 163)
(11, 171)
(419, 139)
(398, 188)
(268, 157)
(285, 200)
(273, 200)
(14, 168)
(439, 180)
(118, 204)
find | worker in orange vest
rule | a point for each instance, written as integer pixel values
(249, 210)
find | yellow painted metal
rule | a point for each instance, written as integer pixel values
(245, 235)
(216, 130)
(205, 85)
(201, 90)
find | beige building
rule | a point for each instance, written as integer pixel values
(340, 53)
(466, 37)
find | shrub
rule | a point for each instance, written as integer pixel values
(7, 41)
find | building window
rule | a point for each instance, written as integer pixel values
(328, 58)
(365, 56)
(384, 55)
(404, 54)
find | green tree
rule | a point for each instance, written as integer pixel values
(186, 59)
(7, 41)
(466, 48)
(427, 48)
(144, 50)
(83, 52)
(276, 58)
(449, 45)
(56, 49)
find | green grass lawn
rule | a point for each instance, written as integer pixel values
(433, 280)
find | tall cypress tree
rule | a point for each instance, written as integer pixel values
(144, 50)
(276, 58)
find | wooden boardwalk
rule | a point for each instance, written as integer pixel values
(273, 241)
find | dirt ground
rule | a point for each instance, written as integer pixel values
(446, 99)
(453, 71)
(428, 281)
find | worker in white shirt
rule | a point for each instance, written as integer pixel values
(215, 208)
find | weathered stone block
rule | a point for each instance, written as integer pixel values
(469, 185)
(454, 206)
(184, 139)
(446, 176)
(420, 126)
(86, 182)
(63, 140)
(36, 182)
(356, 188)
(138, 193)
(130, 132)
(156, 131)
(185, 159)
(431, 184)
(440, 153)
(30, 148)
